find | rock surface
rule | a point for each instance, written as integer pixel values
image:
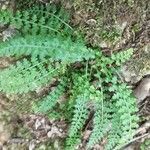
(142, 91)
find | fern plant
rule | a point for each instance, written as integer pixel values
(36, 21)
(45, 50)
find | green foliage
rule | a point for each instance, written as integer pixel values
(56, 17)
(101, 123)
(27, 76)
(50, 101)
(80, 115)
(71, 142)
(55, 48)
(122, 57)
(80, 100)
(145, 145)
(89, 79)
(124, 116)
(79, 118)
(33, 22)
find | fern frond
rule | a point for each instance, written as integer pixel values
(101, 123)
(47, 47)
(80, 115)
(122, 56)
(80, 97)
(50, 101)
(72, 141)
(29, 22)
(118, 59)
(24, 22)
(115, 132)
(26, 76)
(126, 111)
(57, 17)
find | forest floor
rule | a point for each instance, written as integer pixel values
(110, 26)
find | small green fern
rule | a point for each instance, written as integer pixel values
(47, 51)
(71, 142)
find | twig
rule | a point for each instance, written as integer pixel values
(135, 139)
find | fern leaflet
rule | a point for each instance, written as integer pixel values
(50, 101)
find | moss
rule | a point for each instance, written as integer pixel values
(109, 18)
(141, 63)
